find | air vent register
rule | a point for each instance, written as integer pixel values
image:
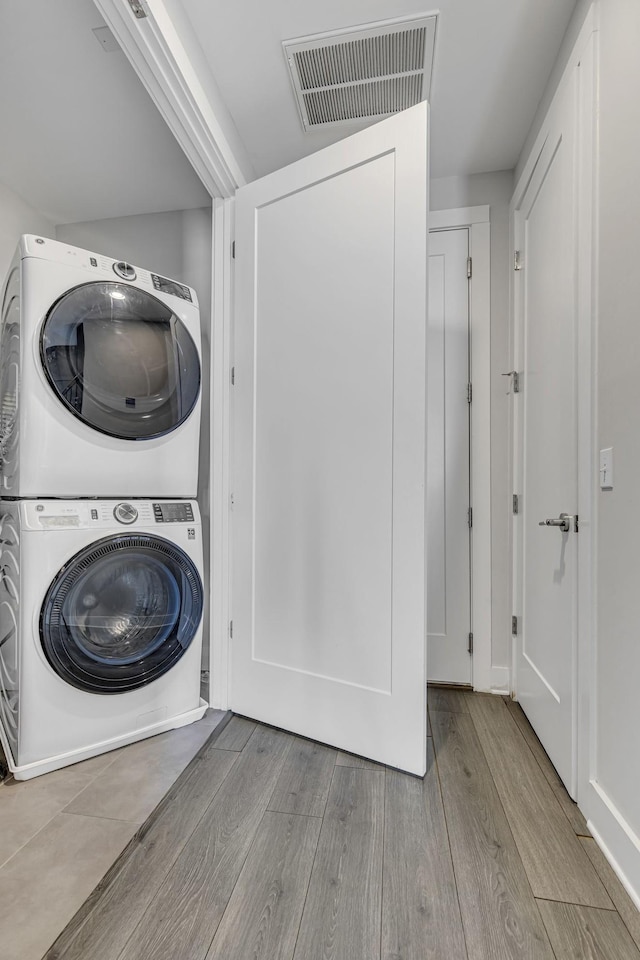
(362, 74)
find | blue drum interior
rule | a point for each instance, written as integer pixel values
(121, 613)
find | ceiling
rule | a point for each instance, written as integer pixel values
(492, 62)
(81, 138)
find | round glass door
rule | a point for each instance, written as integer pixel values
(121, 613)
(120, 360)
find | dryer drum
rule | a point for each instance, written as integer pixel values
(120, 360)
(121, 613)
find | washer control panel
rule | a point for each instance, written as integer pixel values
(173, 512)
(107, 515)
(125, 513)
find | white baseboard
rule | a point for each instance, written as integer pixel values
(615, 837)
(500, 681)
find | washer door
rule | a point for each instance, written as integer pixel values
(121, 613)
(120, 360)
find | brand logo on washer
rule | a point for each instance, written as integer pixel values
(191, 533)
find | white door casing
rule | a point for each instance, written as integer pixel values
(546, 442)
(329, 615)
(448, 492)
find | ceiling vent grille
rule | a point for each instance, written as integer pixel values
(362, 74)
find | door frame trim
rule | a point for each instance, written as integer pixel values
(221, 418)
(172, 75)
(478, 222)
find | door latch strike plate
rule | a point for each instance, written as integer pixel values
(515, 382)
(514, 626)
(138, 10)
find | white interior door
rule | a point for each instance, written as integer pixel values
(546, 667)
(448, 543)
(329, 617)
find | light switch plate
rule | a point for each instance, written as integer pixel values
(606, 469)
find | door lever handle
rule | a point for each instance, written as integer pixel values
(563, 521)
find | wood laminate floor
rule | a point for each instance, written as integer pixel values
(272, 847)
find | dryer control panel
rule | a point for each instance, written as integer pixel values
(104, 268)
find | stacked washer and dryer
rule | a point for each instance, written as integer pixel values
(101, 559)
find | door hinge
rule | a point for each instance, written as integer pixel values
(233, 376)
(138, 10)
(469, 268)
(516, 503)
(470, 647)
(231, 629)
(233, 250)
(514, 626)
(470, 517)
(469, 393)
(517, 262)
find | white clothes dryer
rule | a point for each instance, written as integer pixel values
(100, 626)
(99, 377)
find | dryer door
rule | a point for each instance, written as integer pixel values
(120, 360)
(121, 613)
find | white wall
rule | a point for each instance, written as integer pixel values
(618, 559)
(494, 189)
(17, 217)
(152, 240)
(178, 245)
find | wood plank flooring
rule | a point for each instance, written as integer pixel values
(569, 808)
(528, 799)
(272, 847)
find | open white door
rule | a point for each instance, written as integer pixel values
(329, 618)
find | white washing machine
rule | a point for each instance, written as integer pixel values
(100, 626)
(99, 377)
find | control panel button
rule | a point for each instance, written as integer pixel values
(124, 270)
(173, 512)
(94, 513)
(125, 513)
